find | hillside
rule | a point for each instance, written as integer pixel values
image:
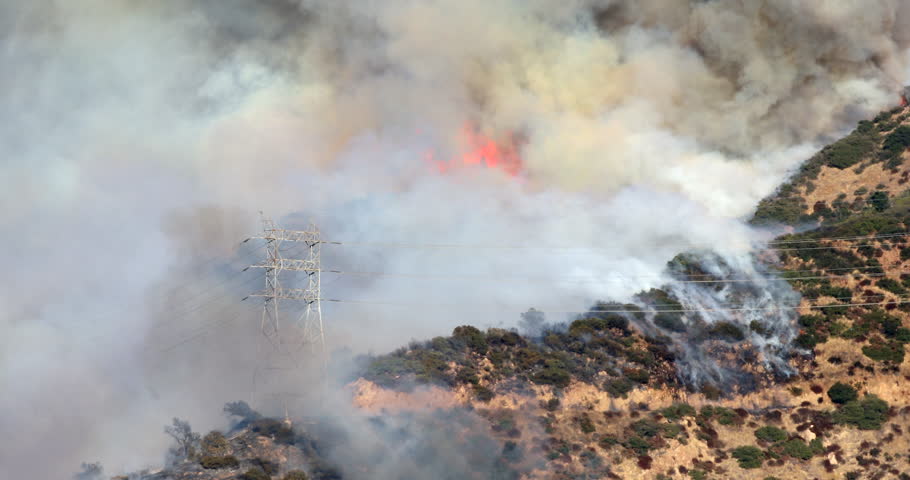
(608, 396)
(603, 396)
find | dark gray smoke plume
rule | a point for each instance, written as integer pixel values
(141, 137)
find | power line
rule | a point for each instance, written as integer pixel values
(596, 247)
(826, 247)
(229, 281)
(214, 261)
(833, 239)
(900, 300)
(587, 280)
(186, 315)
(202, 329)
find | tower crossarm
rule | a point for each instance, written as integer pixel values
(303, 236)
(300, 265)
(306, 295)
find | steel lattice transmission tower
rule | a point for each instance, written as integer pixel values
(294, 343)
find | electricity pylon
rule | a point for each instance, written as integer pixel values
(293, 343)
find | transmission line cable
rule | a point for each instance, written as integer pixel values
(595, 247)
(900, 300)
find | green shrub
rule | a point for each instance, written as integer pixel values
(810, 321)
(254, 474)
(472, 337)
(441, 345)
(554, 373)
(527, 358)
(212, 462)
(835, 259)
(807, 340)
(770, 434)
(787, 210)
(646, 428)
(896, 142)
(891, 285)
(748, 456)
(499, 336)
(214, 444)
(724, 416)
(482, 393)
(585, 424)
(607, 441)
(797, 448)
(698, 474)
(670, 321)
(586, 326)
(870, 413)
(889, 323)
(467, 374)
(670, 430)
(880, 201)
(640, 356)
(678, 410)
(853, 148)
(552, 404)
(727, 331)
(637, 444)
(840, 293)
(711, 392)
(885, 352)
(902, 335)
(295, 475)
(660, 299)
(637, 375)
(841, 393)
(266, 466)
(618, 387)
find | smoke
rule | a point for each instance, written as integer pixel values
(730, 319)
(140, 138)
(445, 444)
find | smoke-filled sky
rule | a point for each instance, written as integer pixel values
(140, 138)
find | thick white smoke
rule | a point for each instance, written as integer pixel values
(141, 137)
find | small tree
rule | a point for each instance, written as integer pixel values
(242, 411)
(879, 201)
(186, 438)
(841, 393)
(532, 323)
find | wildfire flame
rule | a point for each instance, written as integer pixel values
(479, 149)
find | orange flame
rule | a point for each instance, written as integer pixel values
(479, 149)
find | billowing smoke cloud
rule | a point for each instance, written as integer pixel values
(140, 138)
